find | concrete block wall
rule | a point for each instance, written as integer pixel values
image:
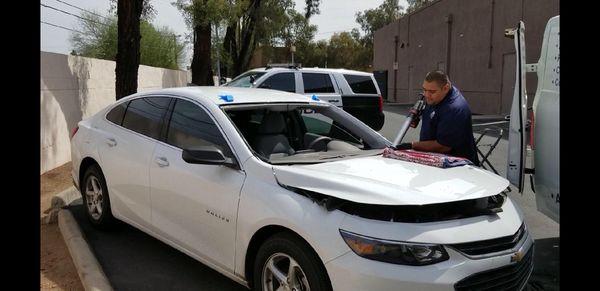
(73, 88)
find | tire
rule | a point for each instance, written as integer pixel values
(280, 248)
(99, 215)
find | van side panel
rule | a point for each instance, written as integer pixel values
(547, 124)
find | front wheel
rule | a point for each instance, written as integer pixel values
(286, 263)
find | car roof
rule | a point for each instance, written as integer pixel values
(212, 94)
(311, 70)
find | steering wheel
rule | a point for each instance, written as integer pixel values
(321, 139)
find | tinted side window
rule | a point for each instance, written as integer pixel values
(361, 84)
(317, 83)
(191, 126)
(281, 81)
(116, 114)
(144, 115)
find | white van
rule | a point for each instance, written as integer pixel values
(545, 121)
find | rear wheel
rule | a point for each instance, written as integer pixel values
(95, 198)
(286, 263)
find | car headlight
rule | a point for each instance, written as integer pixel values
(395, 252)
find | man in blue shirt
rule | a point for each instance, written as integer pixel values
(446, 120)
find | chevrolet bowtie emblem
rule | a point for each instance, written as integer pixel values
(517, 257)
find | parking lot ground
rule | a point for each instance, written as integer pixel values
(133, 260)
(57, 271)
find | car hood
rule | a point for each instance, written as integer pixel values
(385, 181)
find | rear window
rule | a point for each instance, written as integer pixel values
(116, 114)
(145, 115)
(317, 83)
(361, 84)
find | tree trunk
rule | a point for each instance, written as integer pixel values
(229, 45)
(128, 47)
(201, 61)
(248, 40)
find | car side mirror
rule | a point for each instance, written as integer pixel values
(207, 155)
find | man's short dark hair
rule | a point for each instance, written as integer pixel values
(437, 76)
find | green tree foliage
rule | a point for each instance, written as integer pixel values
(312, 8)
(371, 20)
(244, 25)
(314, 54)
(148, 11)
(416, 4)
(200, 16)
(345, 50)
(159, 47)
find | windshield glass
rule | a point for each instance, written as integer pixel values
(245, 80)
(303, 133)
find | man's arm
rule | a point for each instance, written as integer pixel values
(430, 146)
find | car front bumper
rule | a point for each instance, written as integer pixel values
(351, 272)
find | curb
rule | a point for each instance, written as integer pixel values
(89, 270)
(64, 198)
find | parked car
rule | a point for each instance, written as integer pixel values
(278, 191)
(355, 92)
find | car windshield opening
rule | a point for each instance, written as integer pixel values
(300, 133)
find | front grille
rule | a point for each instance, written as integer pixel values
(491, 245)
(512, 277)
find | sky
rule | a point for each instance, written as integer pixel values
(335, 16)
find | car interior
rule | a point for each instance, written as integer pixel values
(277, 131)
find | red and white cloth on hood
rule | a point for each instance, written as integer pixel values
(426, 158)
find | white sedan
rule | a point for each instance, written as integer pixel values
(279, 191)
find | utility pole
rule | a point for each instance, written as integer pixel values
(175, 48)
(293, 49)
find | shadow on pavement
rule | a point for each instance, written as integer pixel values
(546, 261)
(133, 260)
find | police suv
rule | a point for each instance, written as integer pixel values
(355, 92)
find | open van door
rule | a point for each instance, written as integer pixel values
(546, 110)
(545, 121)
(518, 113)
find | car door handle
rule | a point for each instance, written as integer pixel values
(111, 142)
(161, 162)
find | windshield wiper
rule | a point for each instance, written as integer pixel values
(337, 156)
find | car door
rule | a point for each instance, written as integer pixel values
(195, 205)
(125, 148)
(321, 85)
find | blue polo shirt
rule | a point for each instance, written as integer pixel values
(449, 122)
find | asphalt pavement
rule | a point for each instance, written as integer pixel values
(133, 260)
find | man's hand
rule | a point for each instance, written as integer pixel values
(415, 121)
(431, 146)
(404, 146)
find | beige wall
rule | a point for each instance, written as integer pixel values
(73, 88)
